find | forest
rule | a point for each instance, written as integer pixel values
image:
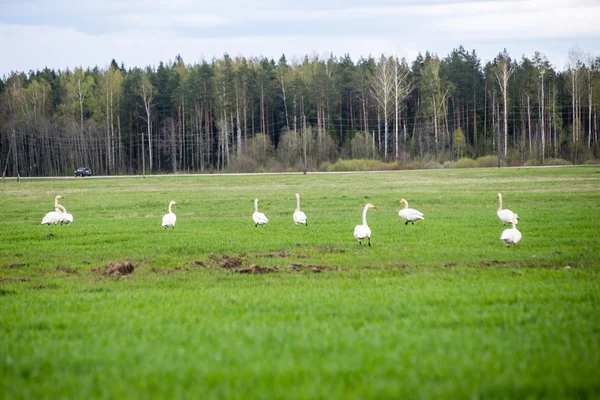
(257, 114)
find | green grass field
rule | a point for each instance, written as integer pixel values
(441, 309)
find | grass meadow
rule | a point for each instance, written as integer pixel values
(219, 308)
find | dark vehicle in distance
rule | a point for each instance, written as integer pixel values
(83, 172)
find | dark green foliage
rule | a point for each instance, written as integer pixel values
(203, 114)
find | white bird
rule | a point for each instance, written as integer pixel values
(53, 217)
(170, 218)
(506, 216)
(258, 217)
(65, 217)
(363, 231)
(299, 216)
(409, 214)
(512, 235)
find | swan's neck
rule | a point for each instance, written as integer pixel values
(256, 206)
(55, 202)
(170, 211)
(499, 203)
(405, 204)
(365, 214)
(61, 208)
(298, 203)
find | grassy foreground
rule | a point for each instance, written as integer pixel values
(441, 309)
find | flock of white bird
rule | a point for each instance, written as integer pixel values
(510, 236)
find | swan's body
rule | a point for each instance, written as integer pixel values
(299, 216)
(512, 235)
(258, 217)
(363, 231)
(65, 217)
(409, 214)
(53, 217)
(169, 219)
(506, 216)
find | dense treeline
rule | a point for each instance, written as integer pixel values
(241, 114)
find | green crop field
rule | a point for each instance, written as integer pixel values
(115, 306)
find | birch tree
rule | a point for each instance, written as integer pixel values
(574, 67)
(433, 95)
(110, 88)
(591, 69)
(79, 88)
(147, 94)
(504, 70)
(382, 88)
(402, 87)
(542, 65)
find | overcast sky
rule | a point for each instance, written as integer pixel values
(64, 34)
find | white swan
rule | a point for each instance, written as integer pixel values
(65, 217)
(170, 218)
(258, 217)
(512, 235)
(506, 216)
(299, 216)
(409, 214)
(363, 231)
(53, 217)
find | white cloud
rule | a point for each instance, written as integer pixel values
(59, 48)
(146, 32)
(169, 20)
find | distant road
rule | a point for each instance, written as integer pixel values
(267, 173)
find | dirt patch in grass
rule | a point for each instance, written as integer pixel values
(120, 268)
(307, 267)
(18, 279)
(404, 265)
(96, 290)
(13, 266)
(239, 264)
(330, 249)
(273, 254)
(67, 270)
(492, 262)
(230, 262)
(256, 269)
(48, 286)
(168, 271)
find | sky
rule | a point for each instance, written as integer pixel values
(61, 34)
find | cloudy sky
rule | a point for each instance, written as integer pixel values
(64, 34)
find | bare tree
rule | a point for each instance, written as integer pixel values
(147, 93)
(433, 95)
(542, 65)
(503, 73)
(382, 88)
(401, 90)
(591, 67)
(574, 66)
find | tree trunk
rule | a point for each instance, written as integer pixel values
(529, 125)
(474, 122)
